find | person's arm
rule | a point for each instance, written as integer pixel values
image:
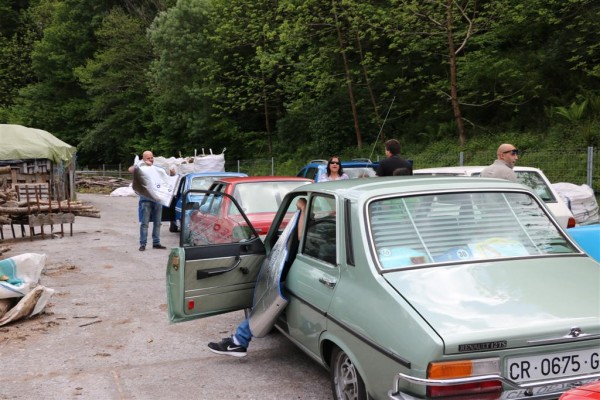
(301, 204)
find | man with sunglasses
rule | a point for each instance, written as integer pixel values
(503, 167)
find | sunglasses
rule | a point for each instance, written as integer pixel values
(334, 162)
(514, 152)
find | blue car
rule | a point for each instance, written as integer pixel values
(588, 238)
(357, 168)
(194, 180)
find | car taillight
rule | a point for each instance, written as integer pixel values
(571, 223)
(464, 369)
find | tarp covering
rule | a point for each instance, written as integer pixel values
(21, 143)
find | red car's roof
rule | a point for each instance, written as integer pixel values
(263, 179)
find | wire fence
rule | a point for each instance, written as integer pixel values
(573, 166)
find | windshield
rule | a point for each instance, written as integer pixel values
(409, 231)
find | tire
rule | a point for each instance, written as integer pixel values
(173, 227)
(346, 382)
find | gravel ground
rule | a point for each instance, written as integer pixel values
(105, 332)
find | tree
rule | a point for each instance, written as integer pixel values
(116, 83)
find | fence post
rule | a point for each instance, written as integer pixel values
(103, 170)
(590, 166)
(461, 158)
(272, 166)
(238, 164)
(119, 170)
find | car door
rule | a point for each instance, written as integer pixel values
(215, 267)
(314, 274)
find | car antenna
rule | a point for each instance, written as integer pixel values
(381, 129)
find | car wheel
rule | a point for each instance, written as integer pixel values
(346, 382)
(173, 227)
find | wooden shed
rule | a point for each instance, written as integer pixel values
(35, 160)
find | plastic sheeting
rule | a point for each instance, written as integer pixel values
(580, 200)
(19, 279)
(22, 143)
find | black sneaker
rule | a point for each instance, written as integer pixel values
(158, 246)
(227, 347)
(142, 248)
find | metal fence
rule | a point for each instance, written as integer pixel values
(573, 166)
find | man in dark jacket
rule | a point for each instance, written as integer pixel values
(393, 161)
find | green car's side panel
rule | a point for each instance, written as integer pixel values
(310, 284)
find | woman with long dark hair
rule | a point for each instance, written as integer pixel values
(334, 170)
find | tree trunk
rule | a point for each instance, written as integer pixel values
(348, 76)
(368, 83)
(453, 87)
(267, 116)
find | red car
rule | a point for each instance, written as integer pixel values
(217, 220)
(591, 391)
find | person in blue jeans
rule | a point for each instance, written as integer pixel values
(237, 344)
(149, 210)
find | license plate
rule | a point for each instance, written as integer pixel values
(548, 366)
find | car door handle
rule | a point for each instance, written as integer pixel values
(327, 282)
(207, 273)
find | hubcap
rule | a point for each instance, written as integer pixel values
(346, 381)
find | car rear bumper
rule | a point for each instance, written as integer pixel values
(539, 390)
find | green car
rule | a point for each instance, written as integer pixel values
(409, 288)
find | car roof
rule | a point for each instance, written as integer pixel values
(232, 174)
(364, 188)
(466, 169)
(263, 179)
(345, 164)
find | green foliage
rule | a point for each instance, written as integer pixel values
(115, 81)
(268, 78)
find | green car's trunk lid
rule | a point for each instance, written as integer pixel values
(504, 304)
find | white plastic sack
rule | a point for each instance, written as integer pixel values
(581, 201)
(123, 192)
(210, 163)
(19, 278)
(154, 183)
(20, 274)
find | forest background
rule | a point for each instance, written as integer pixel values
(303, 79)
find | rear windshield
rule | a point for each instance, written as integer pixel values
(534, 180)
(259, 197)
(203, 182)
(456, 227)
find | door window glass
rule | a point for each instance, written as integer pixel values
(320, 241)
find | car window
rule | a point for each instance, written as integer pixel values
(361, 172)
(320, 239)
(535, 182)
(312, 173)
(208, 224)
(409, 231)
(203, 182)
(260, 197)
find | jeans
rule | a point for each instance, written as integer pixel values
(243, 334)
(150, 210)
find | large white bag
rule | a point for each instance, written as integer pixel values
(581, 201)
(154, 183)
(19, 277)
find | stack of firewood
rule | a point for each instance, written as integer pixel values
(100, 184)
(11, 208)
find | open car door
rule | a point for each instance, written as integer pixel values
(215, 268)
